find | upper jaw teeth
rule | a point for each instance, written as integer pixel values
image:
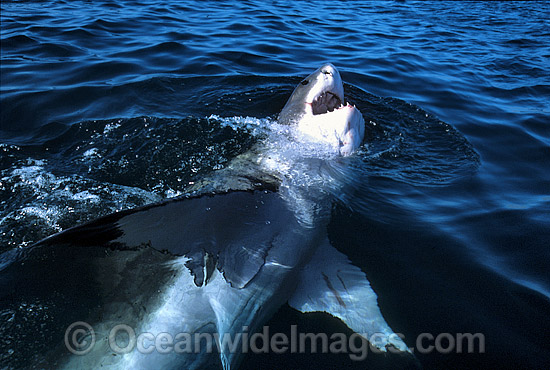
(326, 102)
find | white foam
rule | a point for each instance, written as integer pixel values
(254, 126)
(93, 152)
(50, 214)
(111, 126)
(86, 195)
(59, 200)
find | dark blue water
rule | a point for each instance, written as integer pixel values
(110, 105)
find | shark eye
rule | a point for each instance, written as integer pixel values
(304, 82)
(326, 72)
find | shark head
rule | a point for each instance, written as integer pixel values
(316, 107)
(319, 93)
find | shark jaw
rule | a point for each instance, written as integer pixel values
(343, 128)
(316, 108)
(319, 93)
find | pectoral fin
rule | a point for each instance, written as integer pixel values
(330, 283)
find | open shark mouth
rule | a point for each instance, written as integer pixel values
(326, 102)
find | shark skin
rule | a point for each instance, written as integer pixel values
(220, 260)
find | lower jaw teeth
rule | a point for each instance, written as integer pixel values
(327, 102)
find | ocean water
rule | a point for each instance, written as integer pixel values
(110, 105)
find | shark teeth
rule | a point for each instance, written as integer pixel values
(347, 105)
(326, 102)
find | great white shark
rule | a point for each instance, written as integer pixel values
(219, 260)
